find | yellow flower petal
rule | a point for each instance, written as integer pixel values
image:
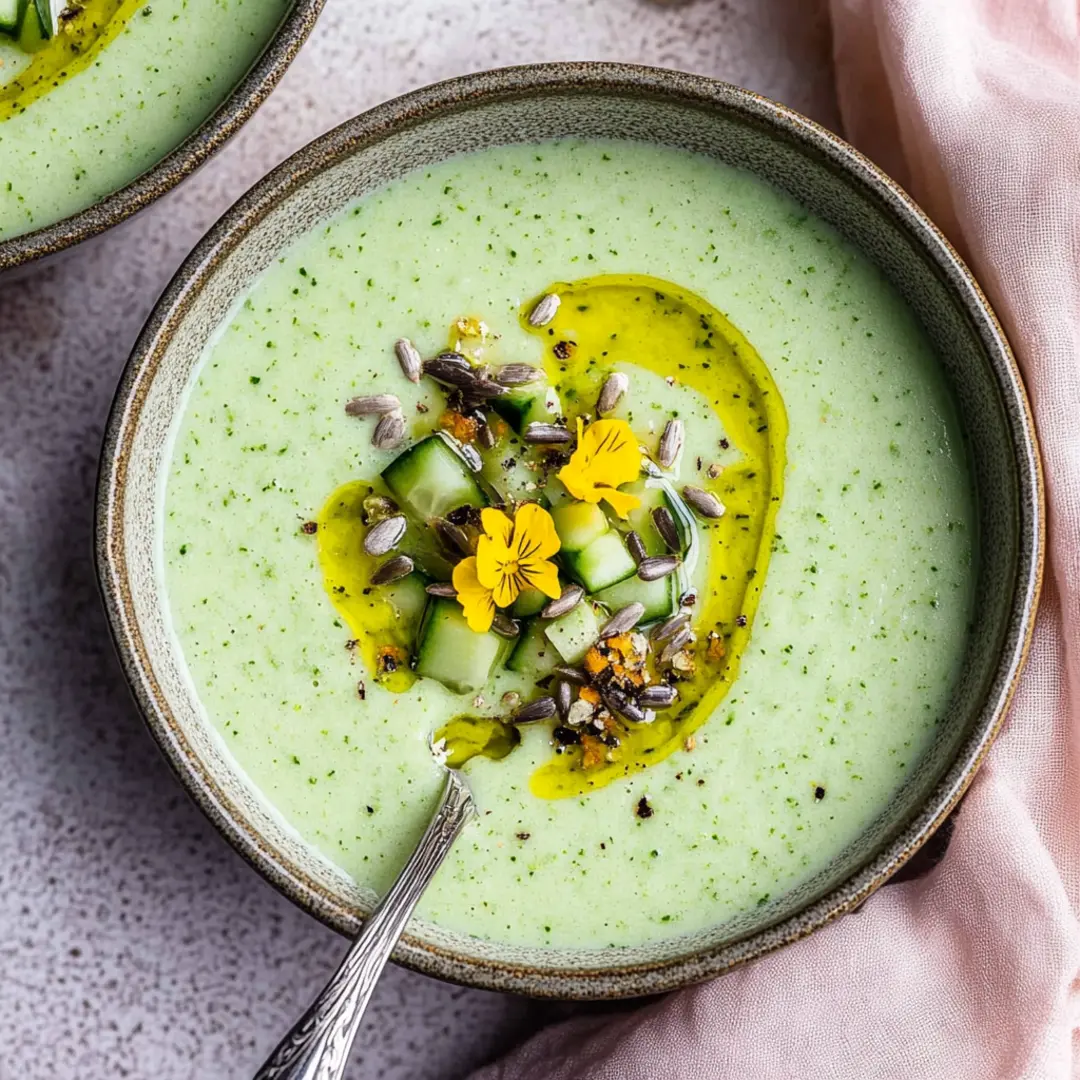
(620, 502)
(508, 587)
(476, 602)
(534, 533)
(491, 556)
(542, 575)
(607, 455)
(497, 525)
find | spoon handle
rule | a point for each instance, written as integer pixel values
(318, 1046)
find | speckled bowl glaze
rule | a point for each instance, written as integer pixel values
(197, 148)
(584, 100)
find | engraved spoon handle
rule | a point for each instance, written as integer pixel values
(318, 1046)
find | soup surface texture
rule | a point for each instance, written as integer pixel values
(861, 628)
(119, 87)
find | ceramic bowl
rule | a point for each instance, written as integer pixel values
(581, 100)
(206, 140)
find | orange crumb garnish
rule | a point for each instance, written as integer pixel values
(587, 693)
(594, 751)
(715, 650)
(463, 428)
(595, 661)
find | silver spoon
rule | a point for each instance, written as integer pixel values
(318, 1046)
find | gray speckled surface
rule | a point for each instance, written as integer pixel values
(134, 942)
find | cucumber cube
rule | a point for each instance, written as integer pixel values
(536, 403)
(449, 652)
(658, 596)
(533, 655)
(528, 603)
(604, 562)
(578, 524)
(410, 597)
(574, 633)
(430, 480)
(640, 520)
(10, 16)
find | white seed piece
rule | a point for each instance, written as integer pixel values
(657, 566)
(624, 619)
(704, 502)
(615, 385)
(570, 598)
(373, 405)
(393, 570)
(408, 358)
(544, 311)
(389, 431)
(671, 442)
(385, 536)
(580, 713)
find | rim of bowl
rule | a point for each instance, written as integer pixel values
(210, 136)
(505, 84)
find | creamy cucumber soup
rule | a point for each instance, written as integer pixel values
(92, 94)
(606, 473)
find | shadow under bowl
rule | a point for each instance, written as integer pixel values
(581, 101)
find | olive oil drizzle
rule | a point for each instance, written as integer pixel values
(73, 48)
(618, 320)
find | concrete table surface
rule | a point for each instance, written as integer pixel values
(133, 941)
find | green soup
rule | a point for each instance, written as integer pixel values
(861, 575)
(120, 86)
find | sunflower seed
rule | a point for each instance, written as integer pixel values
(389, 431)
(665, 526)
(442, 588)
(704, 502)
(486, 437)
(454, 538)
(657, 566)
(517, 374)
(615, 385)
(540, 709)
(544, 311)
(408, 358)
(660, 696)
(377, 507)
(624, 619)
(504, 626)
(451, 369)
(563, 698)
(669, 626)
(546, 433)
(471, 456)
(618, 702)
(636, 546)
(671, 442)
(385, 536)
(570, 598)
(484, 389)
(675, 645)
(373, 405)
(393, 570)
(571, 675)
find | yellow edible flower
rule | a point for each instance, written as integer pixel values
(607, 455)
(512, 555)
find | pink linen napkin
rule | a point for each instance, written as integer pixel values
(974, 970)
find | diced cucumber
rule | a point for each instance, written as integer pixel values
(409, 597)
(449, 652)
(604, 562)
(579, 524)
(513, 482)
(556, 493)
(528, 603)
(657, 596)
(430, 480)
(574, 633)
(427, 551)
(535, 403)
(10, 16)
(534, 655)
(640, 520)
